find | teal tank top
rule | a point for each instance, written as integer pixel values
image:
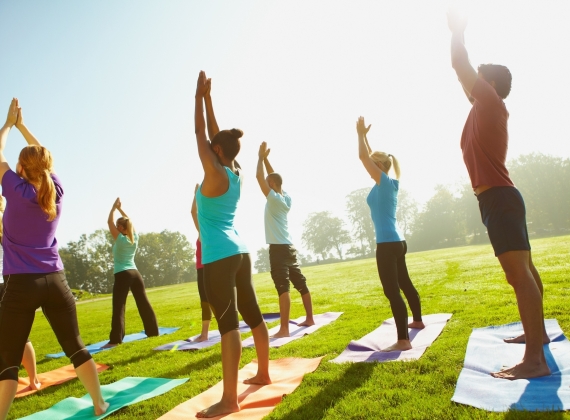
(383, 202)
(216, 219)
(124, 253)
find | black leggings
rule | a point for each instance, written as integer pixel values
(391, 262)
(229, 289)
(22, 295)
(206, 310)
(125, 280)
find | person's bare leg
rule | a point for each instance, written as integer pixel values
(87, 374)
(529, 300)
(308, 304)
(8, 390)
(538, 280)
(400, 345)
(261, 340)
(284, 311)
(231, 354)
(29, 362)
(204, 334)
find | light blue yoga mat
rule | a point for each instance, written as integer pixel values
(97, 347)
(487, 352)
(120, 394)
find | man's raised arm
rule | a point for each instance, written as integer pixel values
(459, 57)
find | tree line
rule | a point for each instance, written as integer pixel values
(162, 258)
(449, 218)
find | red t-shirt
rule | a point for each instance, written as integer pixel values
(485, 138)
(199, 254)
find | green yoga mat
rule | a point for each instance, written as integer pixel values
(125, 392)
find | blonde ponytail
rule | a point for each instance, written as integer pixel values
(126, 223)
(385, 162)
(396, 166)
(38, 165)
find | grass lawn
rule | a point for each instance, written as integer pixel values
(465, 281)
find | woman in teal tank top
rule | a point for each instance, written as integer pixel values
(127, 277)
(391, 246)
(227, 264)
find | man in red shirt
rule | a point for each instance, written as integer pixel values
(484, 144)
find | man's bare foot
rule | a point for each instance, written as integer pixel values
(199, 339)
(280, 334)
(418, 325)
(109, 345)
(101, 408)
(521, 339)
(400, 345)
(523, 370)
(307, 322)
(258, 380)
(218, 409)
(35, 384)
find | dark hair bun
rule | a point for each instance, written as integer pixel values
(236, 132)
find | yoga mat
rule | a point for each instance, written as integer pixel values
(487, 352)
(119, 394)
(367, 349)
(97, 347)
(214, 337)
(54, 377)
(296, 331)
(255, 401)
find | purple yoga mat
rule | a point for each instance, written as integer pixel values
(214, 337)
(296, 331)
(367, 349)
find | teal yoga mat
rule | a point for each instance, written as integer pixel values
(119, 394)
(97, 347)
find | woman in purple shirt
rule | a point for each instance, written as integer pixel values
(33, 271)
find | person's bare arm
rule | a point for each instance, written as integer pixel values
(111, 222)
(194, 211)
(268, 166)
(459, 57)
(11, 119)
(259, 174)
(30, 138)
(213, 128)
(364, 151)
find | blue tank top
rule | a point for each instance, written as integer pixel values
(216, 219)
(383, 200)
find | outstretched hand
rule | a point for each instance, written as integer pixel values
(117, 204)
(456, 21)
(20, 119)
(361, 128)
(263, 151)
(201, 86)
(208, 88)
(12, 116)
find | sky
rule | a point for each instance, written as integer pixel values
(108, 86)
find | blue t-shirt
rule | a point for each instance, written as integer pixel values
(216, 220)
(383, 200)
(276, 227)
(124, 253)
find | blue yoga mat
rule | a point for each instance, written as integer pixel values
(487, 352)
(97, 347)
(119, 394)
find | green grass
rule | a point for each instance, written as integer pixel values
(465, 281)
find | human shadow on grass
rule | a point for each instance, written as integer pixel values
(353, 378)
(544, 389)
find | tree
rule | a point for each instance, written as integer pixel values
(323, 232)
(406, 212)
(362, 226)
(262, 264)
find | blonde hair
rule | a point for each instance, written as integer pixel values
(38, 165)
(385, 161)
(126, 224)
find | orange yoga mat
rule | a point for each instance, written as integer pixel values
(54, 377)
(255, 401)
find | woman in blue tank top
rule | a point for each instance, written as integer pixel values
(227, 264)
(391, 246)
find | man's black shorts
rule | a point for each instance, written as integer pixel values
(504, 214)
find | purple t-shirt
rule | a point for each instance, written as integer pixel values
(29, 239)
